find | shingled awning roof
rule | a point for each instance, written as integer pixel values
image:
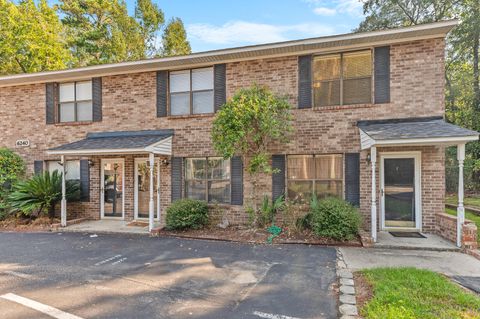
(125, 142)
(412, 131)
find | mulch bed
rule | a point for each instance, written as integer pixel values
(363, 290)
(256, 236)
(28, 225)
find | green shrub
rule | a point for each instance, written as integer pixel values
(334, 218)
(12, 169)
(41, 193)
(187, 213)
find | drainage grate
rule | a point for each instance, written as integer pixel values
(406, 234)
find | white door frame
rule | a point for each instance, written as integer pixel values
(417, 156)
(157, 187)
(102, 190)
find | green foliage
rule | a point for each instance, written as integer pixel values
(401, 293)
(42, 192)
(269, 209)
(150, 19)
(274, 231)
(174, 39)
(247, 124)
(12, 169)
(334, 218)
(31, 38)
(187, 213)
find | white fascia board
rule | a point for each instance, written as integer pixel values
(422, 141)
(97, 151)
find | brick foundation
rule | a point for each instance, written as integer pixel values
(446, 227)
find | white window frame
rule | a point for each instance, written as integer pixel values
(102, 195)
(191, 92)
(66, 171)
(74, 101)
(158, 210)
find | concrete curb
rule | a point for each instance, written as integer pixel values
(347, 300)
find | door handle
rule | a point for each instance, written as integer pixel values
(381, 192)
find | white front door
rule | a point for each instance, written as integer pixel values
(400, 190)
(112, 186)
(142, 188)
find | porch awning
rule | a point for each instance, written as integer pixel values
(123, 142)
(412, 131)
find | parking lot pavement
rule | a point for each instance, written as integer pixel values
(71, 275)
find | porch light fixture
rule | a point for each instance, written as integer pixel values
(165, 162)
(91, 163)
(369, 158)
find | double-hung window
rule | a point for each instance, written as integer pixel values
(75, 102)
(319, 174)
(72, 169)
(208, 179)
(191, 91)
(341, 79)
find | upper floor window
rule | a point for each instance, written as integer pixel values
(191, 91)
(72, 169)
(319, 174)
(208, 179)
(341, 79)
(75, 102)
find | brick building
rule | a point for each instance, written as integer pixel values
(366, 106)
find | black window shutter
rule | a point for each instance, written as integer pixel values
(352, 178)
(84, 181)
(278, 179)
(50, 103)
(382, 74)
(220, 89)
(177, 177)
(162, 93)
(237, 180)
(304, 81)
(97, 99)
(38, 167)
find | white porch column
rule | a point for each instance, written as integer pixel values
(151, 206)
(460, 208)
(373, 160)
(63, 203)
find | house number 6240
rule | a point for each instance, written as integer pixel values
(22, 143)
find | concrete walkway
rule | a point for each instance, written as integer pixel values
(106, 226)
(446, 262)
(431, 242)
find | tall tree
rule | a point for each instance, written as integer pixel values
(151, 20)
(31, 38)
(174, 39)
(101, 31)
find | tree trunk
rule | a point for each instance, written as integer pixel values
(476, 44)
(51, 212)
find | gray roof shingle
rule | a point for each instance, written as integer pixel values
(412, 128)
(116, 140)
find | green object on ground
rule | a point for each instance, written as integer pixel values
(274, 231)
(468, 215)
(413, 293)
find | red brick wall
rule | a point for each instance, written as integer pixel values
(446, 227)
(417, 82)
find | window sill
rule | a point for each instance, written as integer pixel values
(189, 116)
(342, 107)
(73, 123)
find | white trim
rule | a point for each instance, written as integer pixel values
(366, 141)
(135, 195)
(417, 156)
(162, 147)
(288, 48)
(102, 190)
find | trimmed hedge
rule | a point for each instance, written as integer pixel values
(335, 218)
(186, 214)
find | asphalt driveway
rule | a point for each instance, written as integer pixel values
(120, 276)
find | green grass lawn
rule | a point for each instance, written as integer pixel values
(473, 201)
(409, 293)
(474, 218)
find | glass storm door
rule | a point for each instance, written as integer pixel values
(142, 188)
(112, 188)
(399, 192)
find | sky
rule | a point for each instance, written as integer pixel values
(217, 24)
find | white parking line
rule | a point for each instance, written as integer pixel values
(18, 274)
(52, 312)
(272, 315)
(107, 260)
(119, 261)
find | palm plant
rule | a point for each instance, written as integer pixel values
(269, 209)
(42, 192)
